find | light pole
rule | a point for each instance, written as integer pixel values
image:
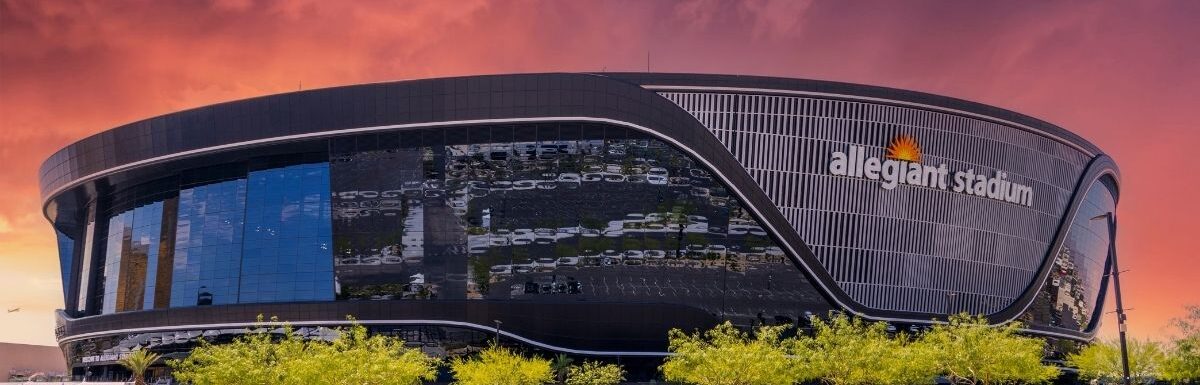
(1116, 273)
(497, 342)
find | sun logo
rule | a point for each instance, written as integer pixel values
(904, 147)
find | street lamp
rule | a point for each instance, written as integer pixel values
(497, 342)
(1116, 274)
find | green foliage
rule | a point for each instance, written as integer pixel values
(725, 355)
(1182, 364)
(499, 366)
(278, 356)
(559, 366)
(1102, 361)
(845, 350)
(595, 373)
(137, 362)
(483, 275)
(969, 351)
(565, 250)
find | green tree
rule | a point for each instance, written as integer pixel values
(595, 373)
(1182, 364)
(137, 362)
(560, 365)
(273, 354)
(725, 355)
(499, 366)
(846, 350)
(968, 350)
(1102, 361)
(356, 357)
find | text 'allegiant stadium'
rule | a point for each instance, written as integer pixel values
(905, 168)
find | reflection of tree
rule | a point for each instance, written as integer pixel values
(482, 275)
(565, 250)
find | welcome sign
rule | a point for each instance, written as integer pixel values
(903, 166)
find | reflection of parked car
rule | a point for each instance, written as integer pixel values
(392, 260)
(656, 180)
(547, 185)
(524, 185)
(568, 261)
(614, 177)
(611, 257)
(544, 263)
(501, 269)
(593, 177)
(568, 177)
(543, 241)
(655, 254)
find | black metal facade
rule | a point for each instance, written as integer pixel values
(630, 128)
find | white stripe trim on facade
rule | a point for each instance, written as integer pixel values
(365, 323)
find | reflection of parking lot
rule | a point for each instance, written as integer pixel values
(740, 295)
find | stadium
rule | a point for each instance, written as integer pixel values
(576, 213)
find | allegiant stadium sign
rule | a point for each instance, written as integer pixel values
(903, 166)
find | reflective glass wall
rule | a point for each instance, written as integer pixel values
(557, 212)
(287, 253)
(208, 244)
(549, 213)
(1069, 299)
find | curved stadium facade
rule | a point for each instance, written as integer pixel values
(587, 213)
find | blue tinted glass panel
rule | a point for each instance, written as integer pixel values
(208, 244)
(66, 252)
(119, 233)
(143, 247)
(288, 254)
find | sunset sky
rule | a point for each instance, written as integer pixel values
(1125, 75)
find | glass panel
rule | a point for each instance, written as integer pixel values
(287, 254)
(208, 244)
(144, 249)
(66, 255)
(1069, 297)
(160, 296)
(85, 269)
(606, 219)
(120, 233)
